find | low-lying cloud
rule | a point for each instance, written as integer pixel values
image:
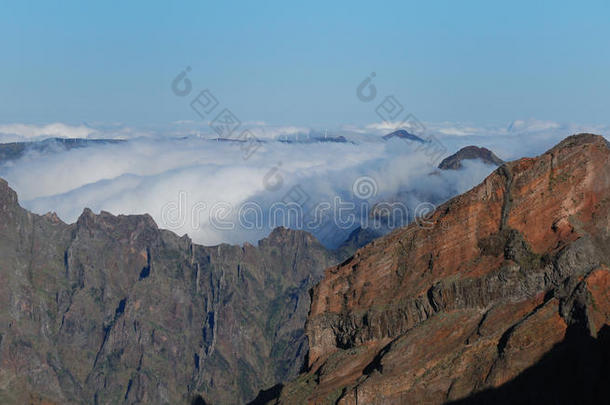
(192, 175)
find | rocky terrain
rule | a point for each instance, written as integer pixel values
(505, 298)
(113, 310)
(454, 162)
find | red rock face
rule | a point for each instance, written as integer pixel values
(504, 275)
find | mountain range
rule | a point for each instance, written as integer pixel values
(502, 297)
(112, 309)
(15, 150)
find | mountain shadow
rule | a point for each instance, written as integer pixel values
(575, 371)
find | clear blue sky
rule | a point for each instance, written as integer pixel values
(299, 63)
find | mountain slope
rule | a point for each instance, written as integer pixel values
(113, 310)
(512, 272)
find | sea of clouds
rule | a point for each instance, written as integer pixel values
(192, 184)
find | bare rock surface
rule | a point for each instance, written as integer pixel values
(493, 303)
(113, 310)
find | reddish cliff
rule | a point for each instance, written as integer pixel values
(504, 276)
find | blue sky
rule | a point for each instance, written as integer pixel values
(299, 63)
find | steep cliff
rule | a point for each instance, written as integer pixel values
(113, 310)
(480, 305)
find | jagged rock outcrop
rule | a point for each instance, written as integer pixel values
(511, 276)
(113, 310)
(454, 162)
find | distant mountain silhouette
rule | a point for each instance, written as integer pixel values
(403, 134)
(15, 150)
(454, 161)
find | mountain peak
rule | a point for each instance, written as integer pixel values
(104, 223)
(581, 139)
(281, 236)
(403, 134)
(471, 152)
(8, 197)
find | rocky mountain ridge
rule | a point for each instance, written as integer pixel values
(454, 162)
(508, 285)
(478, 308)
(403, 134)
(112, 310)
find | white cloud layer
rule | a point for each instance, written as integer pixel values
(152, 173)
